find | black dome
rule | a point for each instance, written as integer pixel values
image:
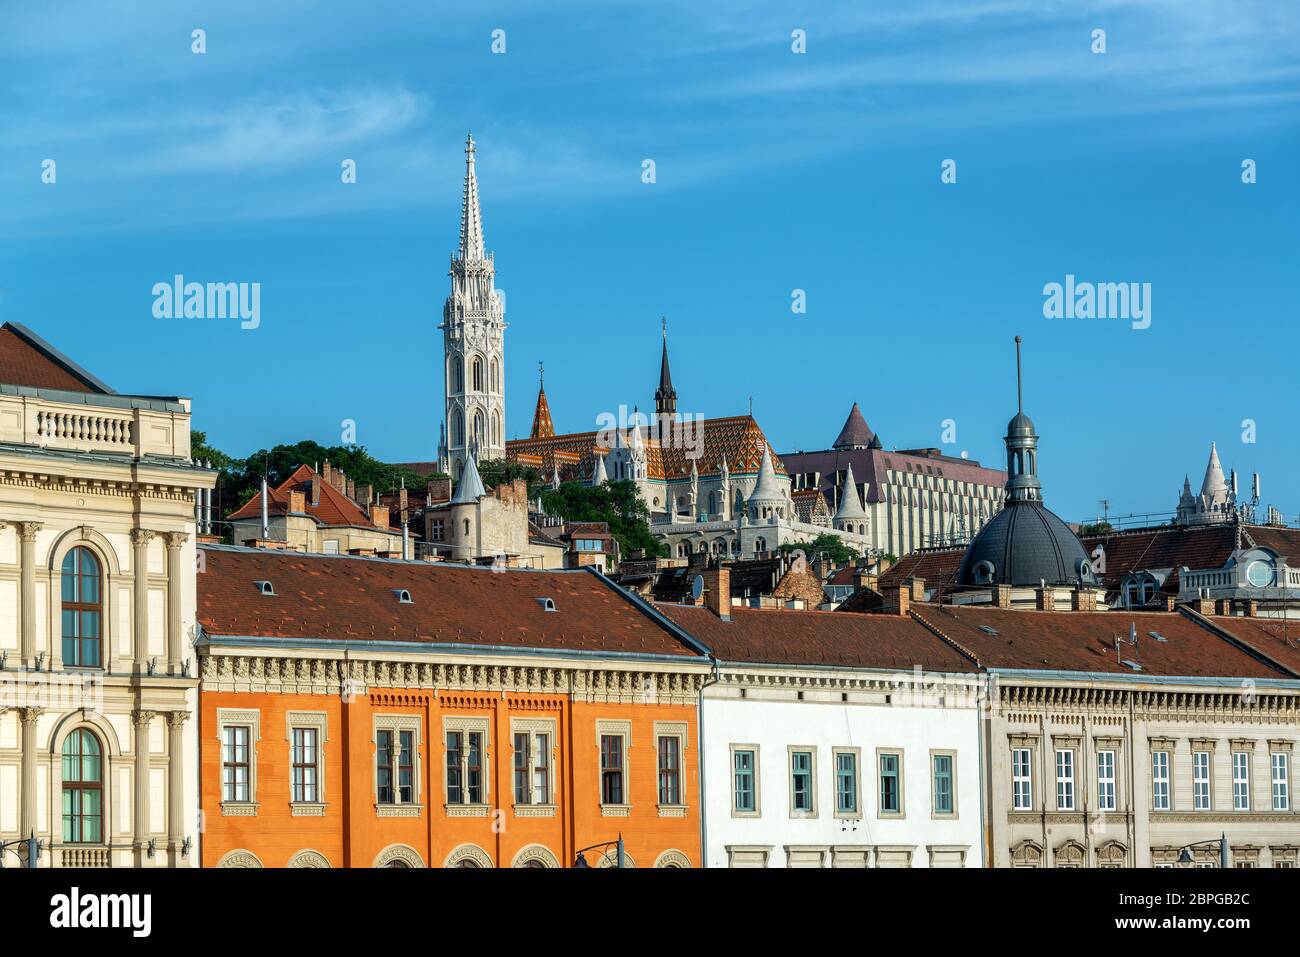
(1022, 545)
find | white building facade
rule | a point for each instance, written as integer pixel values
(840, 768)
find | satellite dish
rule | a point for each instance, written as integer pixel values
(697, 587)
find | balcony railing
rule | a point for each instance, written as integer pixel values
(122, 424)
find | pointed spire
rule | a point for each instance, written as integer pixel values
(470, 487)
(599, 476)
(1022, 451)
(1214, 489)
(543, 427)
(665, 395)
(850, 504)
(471, 220)
(555, 474)
(856, 434)
(767, 488)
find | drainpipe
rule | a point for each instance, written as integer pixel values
(700, 749)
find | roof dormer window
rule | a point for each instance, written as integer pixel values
(548, 604)
(403, 596)
(265, 588)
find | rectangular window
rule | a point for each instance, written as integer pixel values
(523, 769)
(1064, 779)
(1200, 780)
(891, 784)
(234, 763)
(464, 767)
(1022, 782)
(846, 782)
(1106, 780)
(943, 790)
(611, 769)
(801, 781)
(1240, 781)
(670, 769)
(1160, 780)
(435, 530)
(306, 770)
(1281, 762)
(384, 767)
(744, 793)
(542, 768)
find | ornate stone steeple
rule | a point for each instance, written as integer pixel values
(665, 395)
(1022, 451)
(473, 328)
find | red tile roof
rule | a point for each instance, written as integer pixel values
(346, 598)
(26, 361)
(1277, 638)
(771, 636)
(938, 566)
(334, 508)
(1085, 641)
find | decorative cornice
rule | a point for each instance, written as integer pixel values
(1258, 706)
(223, 671)
(103, 487)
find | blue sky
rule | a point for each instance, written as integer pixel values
(775, 172)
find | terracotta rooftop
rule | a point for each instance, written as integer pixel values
(938, 566)
(28, 360)
(344, 598)
(772, 636)
(1085, 641)
(334, 507)
(1279, 639)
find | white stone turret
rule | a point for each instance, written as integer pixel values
(850, 516)
(473, 328)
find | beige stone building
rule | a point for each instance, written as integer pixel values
(97, 601)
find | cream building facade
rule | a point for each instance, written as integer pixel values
(1151, 766)
(97, 611)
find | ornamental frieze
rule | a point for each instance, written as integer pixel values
(234, 672)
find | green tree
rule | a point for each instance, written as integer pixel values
(617, 503)
(827, 546)
(1095, 528)
(496, 472)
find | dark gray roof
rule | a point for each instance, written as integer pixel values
(1026, 544)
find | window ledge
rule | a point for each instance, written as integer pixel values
(615, 810)
(466, 810)
(239, 808)
(307, 808)
(672, 810)
(534, 810)
(398, 810)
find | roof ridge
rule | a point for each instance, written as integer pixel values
(951, 641)
(1240, 643)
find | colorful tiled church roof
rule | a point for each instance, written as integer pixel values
(737, 438)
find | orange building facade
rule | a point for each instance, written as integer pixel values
(340, 727)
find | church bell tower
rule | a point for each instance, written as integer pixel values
(473, 336)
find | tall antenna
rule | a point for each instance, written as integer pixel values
(1019, 403)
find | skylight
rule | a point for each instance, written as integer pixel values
(988, 629)
(1157, 636)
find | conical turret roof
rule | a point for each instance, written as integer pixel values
(856, 434)
(850, 504)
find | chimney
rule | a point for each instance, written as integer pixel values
(898, 600)
(379, 515)
(865, 579)
(1202, 606)
(297, 500)
(403, 499)
(1083, 599)
(365, 495)
(352, 490)
(1223, 606)
(1002, 596)
(717, 591)
(1045, 598)
(439, 491)
(326, 472)
(1251, 607)
(1167, 602)
(315, 489)
(918, 588)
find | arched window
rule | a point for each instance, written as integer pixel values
(476, 377)
(457, 375)
(83, 788)
(467, 526)
(479, 432)
(457, 428)
(496, 376)
(83, 609)
(496, 428)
